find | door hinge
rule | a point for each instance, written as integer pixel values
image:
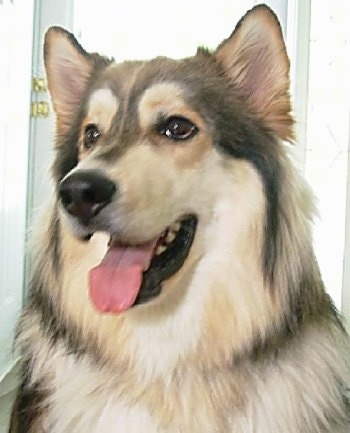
(39, 84)
(40, 109)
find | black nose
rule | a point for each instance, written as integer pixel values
(85, 193)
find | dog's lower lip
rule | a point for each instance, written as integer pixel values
(166, 264)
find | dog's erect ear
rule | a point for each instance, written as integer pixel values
(256, 61)
(68, 68)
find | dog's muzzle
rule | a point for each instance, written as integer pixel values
(128, 275)
(85, 193)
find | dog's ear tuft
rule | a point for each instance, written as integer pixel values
(68, 68)
(256, 61)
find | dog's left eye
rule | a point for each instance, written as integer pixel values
(91, 135)
(177, 128)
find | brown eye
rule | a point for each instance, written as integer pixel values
(91, 135)
(177, 128)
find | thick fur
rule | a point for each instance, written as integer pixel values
(243, 338)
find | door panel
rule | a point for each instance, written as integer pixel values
(15, 55)
(24, 150)
(47, 13)
(16, 27)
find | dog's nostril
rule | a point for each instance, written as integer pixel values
(99, 192)
(85, 193)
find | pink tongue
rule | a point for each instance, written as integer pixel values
(115, 283)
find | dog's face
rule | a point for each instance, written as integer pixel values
(148, 152)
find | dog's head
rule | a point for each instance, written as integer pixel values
(178, 161)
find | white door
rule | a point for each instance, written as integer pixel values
(25, 135)
(24, 149)
(16, 29)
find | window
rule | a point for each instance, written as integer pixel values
(327, 134)
(183, 26)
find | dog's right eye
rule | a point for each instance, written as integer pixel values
(91, 135)
(177, 128)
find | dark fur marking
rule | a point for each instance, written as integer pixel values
(53, 322)
(56, 244)
(56, 328)
(29, 404)
(241, 137)
(40, 298)
(66, 154)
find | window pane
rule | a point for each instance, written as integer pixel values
(168, 28)
(328, 133)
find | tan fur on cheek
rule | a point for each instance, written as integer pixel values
(238, 295)
(188, 154)
(141, 192)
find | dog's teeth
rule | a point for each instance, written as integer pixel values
(175, 227)
(170, 237)
(160, 249)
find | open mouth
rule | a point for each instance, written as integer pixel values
(133, 275)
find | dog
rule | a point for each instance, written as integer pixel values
(175, 288)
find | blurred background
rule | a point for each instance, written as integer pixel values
(317, 38)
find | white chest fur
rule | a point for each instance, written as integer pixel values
(85, 402)
(87, 399)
